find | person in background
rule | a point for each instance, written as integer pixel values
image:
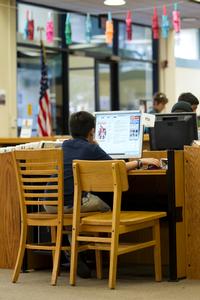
(189, 98)
(159, 102)
(181, 106)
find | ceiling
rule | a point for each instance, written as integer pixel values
(142, 9)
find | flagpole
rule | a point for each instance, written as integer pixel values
(44, 115)
(41, 29)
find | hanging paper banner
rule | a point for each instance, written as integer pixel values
(88, 29)
(31, 27)
(26, 26)
(176, 18)
(155, 25)
(50, 28)
(68, 31)
(165, 23)
(109, 29)
(129, 26)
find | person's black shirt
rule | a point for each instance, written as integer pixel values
(78, 148)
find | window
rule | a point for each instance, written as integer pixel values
(82, 76)
(135, 84)
(81, 84)
(28, 87)
(141, 45)
(187, 44)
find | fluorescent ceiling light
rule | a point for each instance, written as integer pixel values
(189, 19)
(114, 2)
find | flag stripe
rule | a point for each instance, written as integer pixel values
(44, 114)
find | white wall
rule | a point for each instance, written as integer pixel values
(187, 80)
(8, 112)
(167, 74)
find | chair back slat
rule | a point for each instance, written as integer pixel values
(39, 176)
(97, 175)
(38, 172)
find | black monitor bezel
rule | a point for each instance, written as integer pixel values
(152, 133)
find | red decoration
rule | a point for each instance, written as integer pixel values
(129, 26)
(176, 18)
(30, 28)
(155, 24)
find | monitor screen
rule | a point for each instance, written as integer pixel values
(120, 133)
(173, 131)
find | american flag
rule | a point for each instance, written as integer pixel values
(44, 115)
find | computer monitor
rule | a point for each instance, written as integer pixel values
(173, 131)
(120, 133)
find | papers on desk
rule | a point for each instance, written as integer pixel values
(196, 143)
(148, 120)
(7, 149)
(33, 145)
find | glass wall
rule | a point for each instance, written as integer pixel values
(104, 88)
(81, 84)
(40, 16)
(135, 84)
(140, 47)
(28, 87)
(136, 68)
(81, 75)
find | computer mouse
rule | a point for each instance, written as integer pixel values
(153, 167)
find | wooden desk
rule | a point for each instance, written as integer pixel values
(168, 184)
(146, 144)
(166, 189)
(17, 141)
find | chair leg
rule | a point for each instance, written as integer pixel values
(157, 252)
(98, 264)
(20, 255)
(113, 260)
(56, 256)
(53, 239)
(74, 258)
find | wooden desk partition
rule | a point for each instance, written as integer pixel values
(9, 213)
(192, 199)
(165, 190)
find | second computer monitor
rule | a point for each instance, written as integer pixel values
(173, 131)
(120, 133)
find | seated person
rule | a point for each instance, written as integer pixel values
(159, 102)
(83, 146)
(189, 98)
(181, 106)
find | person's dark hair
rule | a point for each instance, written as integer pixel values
(160, 98)
(80, 124)
(181, 106)
(188, 97)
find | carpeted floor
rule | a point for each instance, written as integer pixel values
(36, 285)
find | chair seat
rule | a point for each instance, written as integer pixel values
(41, 216)
(126, 217)
(47, 216)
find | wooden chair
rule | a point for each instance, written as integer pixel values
(39, 175)
(109, 176)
